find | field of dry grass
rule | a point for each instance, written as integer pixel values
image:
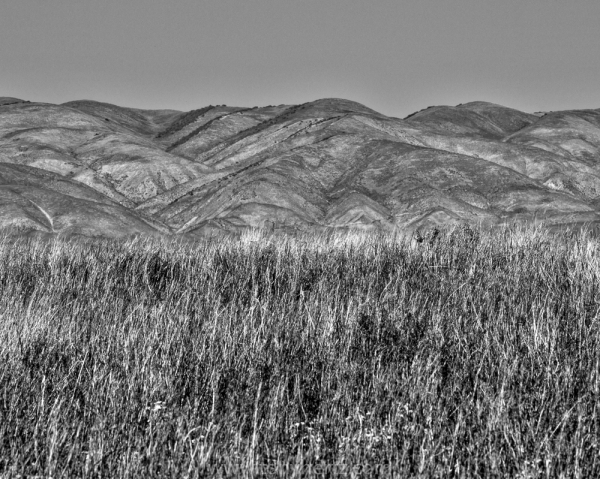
(477, 355)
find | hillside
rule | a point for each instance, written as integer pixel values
(97, 169)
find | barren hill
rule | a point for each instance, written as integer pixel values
(102, 170)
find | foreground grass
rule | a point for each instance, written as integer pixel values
(476, 356)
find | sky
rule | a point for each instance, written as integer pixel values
(395, 56)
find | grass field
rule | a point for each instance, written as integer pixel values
(475, 356)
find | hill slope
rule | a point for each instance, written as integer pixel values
(92, 168)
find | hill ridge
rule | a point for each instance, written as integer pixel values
(328, 163)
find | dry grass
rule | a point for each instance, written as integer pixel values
(475, 356)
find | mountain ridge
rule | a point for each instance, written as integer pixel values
(97, 169)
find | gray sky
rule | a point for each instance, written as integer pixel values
(396, 56)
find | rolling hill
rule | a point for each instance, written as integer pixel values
(95, 169)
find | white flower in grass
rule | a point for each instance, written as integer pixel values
(158, 406)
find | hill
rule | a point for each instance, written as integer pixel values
(97, 169)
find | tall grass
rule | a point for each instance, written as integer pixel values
(474, 355)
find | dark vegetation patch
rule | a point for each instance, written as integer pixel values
(200, 129)
(285, 115)
(184, 120)
(473, 354)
